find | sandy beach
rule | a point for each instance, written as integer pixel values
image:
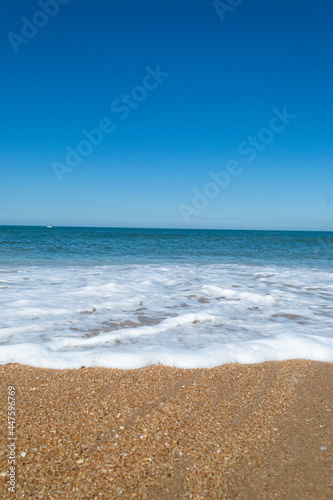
(237, 431)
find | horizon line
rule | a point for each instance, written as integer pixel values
(170, 228)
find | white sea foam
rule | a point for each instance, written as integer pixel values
(190, 315)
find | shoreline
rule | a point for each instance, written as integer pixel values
(247, 431)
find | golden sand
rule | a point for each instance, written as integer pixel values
(237, 431)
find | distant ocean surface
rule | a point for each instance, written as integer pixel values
(128, 298)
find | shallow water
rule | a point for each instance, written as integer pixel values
(128, 298)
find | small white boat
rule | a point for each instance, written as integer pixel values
(49, 227)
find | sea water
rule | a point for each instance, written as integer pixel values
(128, 298)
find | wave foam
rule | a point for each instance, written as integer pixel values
(188, 316)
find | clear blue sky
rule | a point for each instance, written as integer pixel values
(225, 77)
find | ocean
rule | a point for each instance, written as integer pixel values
(128, 298)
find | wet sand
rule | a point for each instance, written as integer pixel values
(237, 431)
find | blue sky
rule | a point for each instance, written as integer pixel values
(221, 80)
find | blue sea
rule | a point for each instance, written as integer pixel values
(128, 298)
